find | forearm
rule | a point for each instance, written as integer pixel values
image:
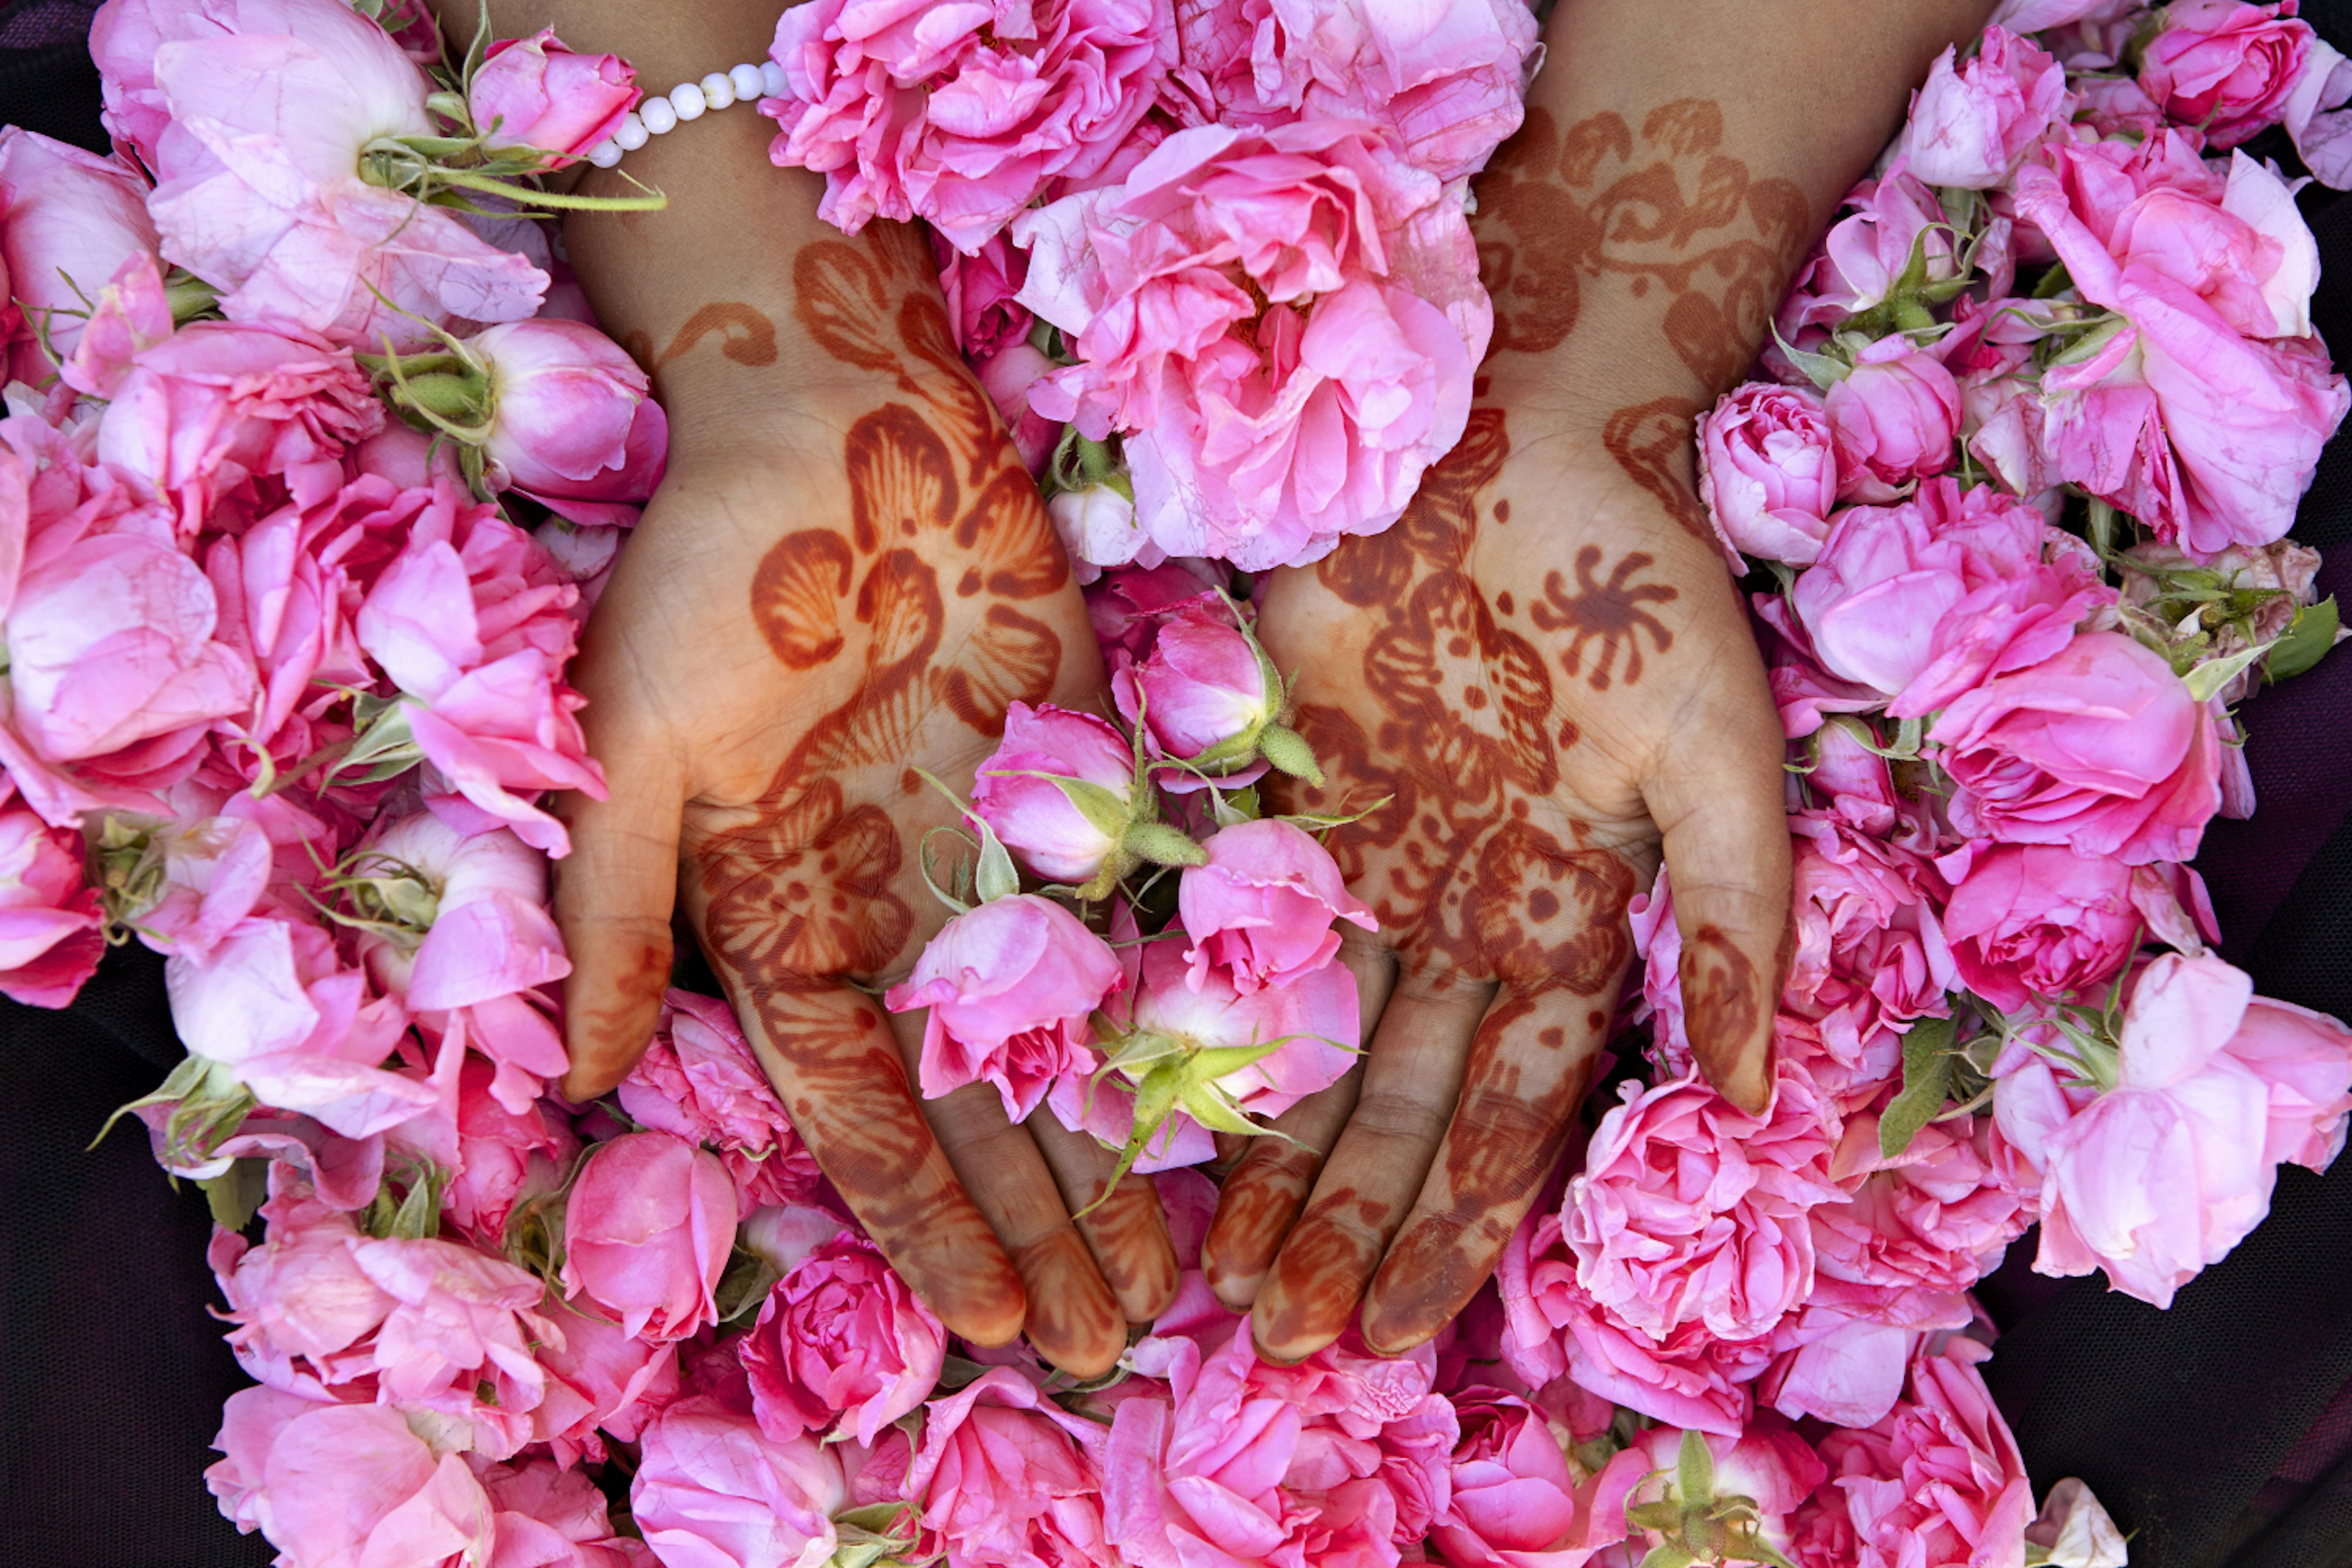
(1676, 164)
(701, 292)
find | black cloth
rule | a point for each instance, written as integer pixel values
(2220, 1433)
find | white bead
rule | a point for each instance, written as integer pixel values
(686, 99)
(631, 133)
(718, 90)
(771, 79)
(658, 115)
(746, 79)
(605, 154)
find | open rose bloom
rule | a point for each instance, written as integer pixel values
(311, 475)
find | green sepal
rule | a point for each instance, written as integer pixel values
(2305, 641)
(1288, 751)
(2205, 680)
(1694, 1469)
(1669, 1555)
(745, 1285)
(1162, 845)
(1927, 1082)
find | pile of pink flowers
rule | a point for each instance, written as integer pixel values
(1212, 258)
(306, 482)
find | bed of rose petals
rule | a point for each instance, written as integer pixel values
(309, 473)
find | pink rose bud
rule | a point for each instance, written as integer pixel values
(1768, 473)
(2036, 920)
(1971, 126)
(712, 1490)
(1513, 1490)
(1893, 420)
(1006, 376)
(841, 1340)
(1064, 835)
(646, 1233)
(1208, 695)
(534, 92)
(1010, 986)
(51, 935)
(1262, 906)
(2225, 65)
(570, 416)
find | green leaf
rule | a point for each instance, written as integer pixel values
(1926, 1078)
(1163, 846)
(236, 1193)
(2209, 678)
(1694, 1469)
(2306, 641)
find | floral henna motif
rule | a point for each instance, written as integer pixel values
(1654, 442)
(1607, 612)
(1722, 998)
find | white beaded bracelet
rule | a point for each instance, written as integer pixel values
(687, 100)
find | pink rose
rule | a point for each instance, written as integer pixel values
(64, 215)
(1842, 1356)
(1859, 260)
(983, 289)
(51, 935)
(646, 1233)
(1204, 690)
(343, 1483)
(1007, 375)
(2099, 747)
(572, 416)
(601, 1381)
(1010, 987)
(534, 92)
(206, 419)
(960, 117)
(1769, 1465)
(274, 1004)
(2206, 435)
(1971, 126)
(556, 1518)
(1893, 419)
(1689, 1210)
(1554, 1328)
(268, 104)
(1446, 83)
(699, 1081)
(1128, 605)
(1513, 1493)
(2171, 1167)
(474, 620)
(841, 1343)
(1341, 1458)
(2225, 65)
(1311, 1023)
(472, 933)
(712, 1491)
(504, 1157)
(1766, 473)
(1936, 1480)
(1935, 1217)
(1262, 908)
(2035, 920)
(1005, 1476)
(1870, 957)
(1054, 837)
(1315, 320)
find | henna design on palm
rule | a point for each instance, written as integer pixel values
(1609, 612)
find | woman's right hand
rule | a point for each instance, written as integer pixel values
(834, 588)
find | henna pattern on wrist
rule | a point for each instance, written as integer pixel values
(745, 336)
(1664, 208)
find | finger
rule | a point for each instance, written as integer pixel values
(613, 896)
(1261, 1198)
(829, 1053)
(1126, 1232)
(1263, 1194)
(1074, 1320)
(1413, 1073)
(1720, 800)
(1533, 1059)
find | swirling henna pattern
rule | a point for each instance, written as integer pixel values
(1663, 208)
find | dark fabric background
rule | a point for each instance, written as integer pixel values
(2220, 1433)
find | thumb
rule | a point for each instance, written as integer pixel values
(1719, 795)
(613, 896)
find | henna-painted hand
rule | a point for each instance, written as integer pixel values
(1544, 670)
(850, 591)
